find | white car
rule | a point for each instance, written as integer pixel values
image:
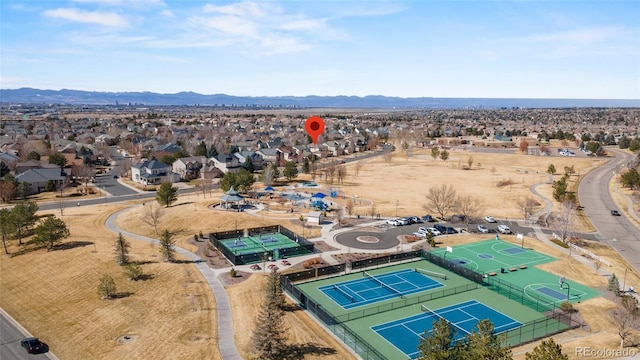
(504, 229)
(483, 229)
(393, 222)
(420, 234)
(426, 230)
(489, 219)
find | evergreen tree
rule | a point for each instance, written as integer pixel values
(440, 344)
(274, 289)
(6, 227)
(551, 169)
(122, 250)
(547, 350)
(485, 344)
(275, 171)
(614, 284)
(24, 217)
(33, 155)
(290, 171)
(631, 178)
(50, 231)
(167, 241)
(200, 149)
(167, 194)
(306, 166)
(132, 271)
(268, 339)
(58, 159)
(106, 287)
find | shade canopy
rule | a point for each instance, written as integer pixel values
(319, 195)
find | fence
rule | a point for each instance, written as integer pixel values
(515, 292)
(346, 335)
(304, 246)
(405, 302)
(453, 266)
(385, 259)
(556, 322)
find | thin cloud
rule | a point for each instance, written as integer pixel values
(88, 17)
(266, 27)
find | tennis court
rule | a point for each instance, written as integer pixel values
(371, 289)
(492, 256)
(405, 334)
(257, 244)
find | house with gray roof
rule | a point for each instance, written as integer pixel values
(36, 179)
(150, 172)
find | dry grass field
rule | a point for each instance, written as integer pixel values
(172, 315)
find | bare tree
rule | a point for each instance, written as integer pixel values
(349, 207)
(342, 173)
(372, 210)
(84, 172)
(151, 215)
(387, 156)
(625, 317)
(268, 175)
(441, 199)
(470, 162)
(204, 185)
(469, 207)
(527, 206)
(562, 222)
(330, 171)
(357, 167)
(62, 203)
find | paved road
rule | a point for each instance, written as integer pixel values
(10, 344)
(616, 231)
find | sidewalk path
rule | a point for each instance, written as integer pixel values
(226, 342)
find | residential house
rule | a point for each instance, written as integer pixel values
(226, 163)
(254, 157)
(36, 179)
(189, 167)
(150, 172)
(34, 164)
(269, 155)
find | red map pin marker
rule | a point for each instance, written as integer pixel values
(314, 127)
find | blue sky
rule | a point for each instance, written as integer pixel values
(505, 49)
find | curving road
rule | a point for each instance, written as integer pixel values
(615, 231)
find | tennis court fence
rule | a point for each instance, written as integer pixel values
(304, 247)
(453, 266)
(407, 301)
(515, 292)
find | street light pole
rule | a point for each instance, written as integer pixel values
(624, 282)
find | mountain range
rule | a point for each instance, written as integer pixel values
(79, 97)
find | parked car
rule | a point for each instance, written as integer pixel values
(489, 219)
(440, 228)
(615, 213)
(450, 230)
(420, 234)
(483, 229)
(504, 229)
(255, 267)
(32, 345)
(404, 221)
(394, 222)
(415, 219)
(428, 218)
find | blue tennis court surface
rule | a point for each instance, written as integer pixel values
(405, 333)
(268, 240)
(350, 294)
(236, 244)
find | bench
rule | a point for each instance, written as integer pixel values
(493, 274)
(523, 267)
(513, 269)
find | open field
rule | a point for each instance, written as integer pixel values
(53, 294)
(173, 314)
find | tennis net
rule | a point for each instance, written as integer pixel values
(431, 312)
(430, 273)
(383, 283)
(344, 293)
